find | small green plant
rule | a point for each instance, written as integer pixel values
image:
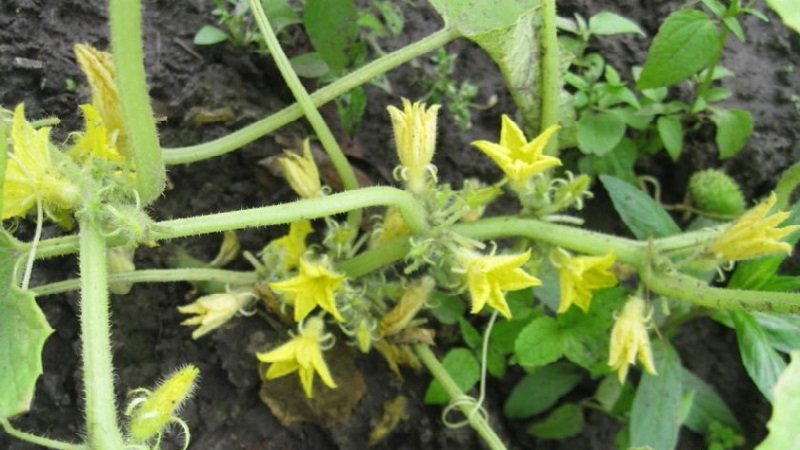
(442, 89)
(563, 302)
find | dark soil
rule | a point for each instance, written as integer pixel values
(36, 60)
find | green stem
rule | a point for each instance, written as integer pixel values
(324, 133)
(722, 36)
(788, 182)
(125, 19)
(250, 133)
(476, 421)
(690, 289)
(374, 258)
(413, 214)
(155, 276)
(39, 440)
(551, 84)
(98, 372)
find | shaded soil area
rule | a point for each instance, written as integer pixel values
(36, 64)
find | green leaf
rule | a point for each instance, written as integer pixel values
(508, 31)
(643, 216)
(670, 130)
(23, 331)
(734, 127)
(539, 343)
(392, 16)
(786, 409)
(309, 65)
(618, 162)
(473, 17)
(788, 11)
(540, 390)
(447, 308)
(210, 35)
(707, 406)
(463, 367)
(782, 330)
(599, 133)
(761, 361)
(471, 337)
(332, 27)
(3, 156)
(685, 43)
(280, 14)
(609, 23)
(656, 409)
(564, 422)
(351, 107)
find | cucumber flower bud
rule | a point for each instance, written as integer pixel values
(212, 311)
(629, 339)
(415, 137)
(301, 172)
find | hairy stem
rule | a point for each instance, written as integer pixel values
(324, 133)
(125, 19)
(476, 420)
(551, 85)
(155, 276)
(39, 440)
(291, 113)
(98, 373)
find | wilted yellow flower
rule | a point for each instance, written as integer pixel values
(30, 171)
(580, 276)
(99, 70)
(754, 234)
(489, 276)
(518, 158)
(314, 285)
(392, 226)
(629, 339)
(301, 171)
(302, 354)
(293, 245)
(95, 140)
(413, 299)
(213, 310)
(415, 137)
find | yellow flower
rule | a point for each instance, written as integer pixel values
(212, 311)
(293, 245)
(629, 339)
(390, 227)
(415, 137)
(580, 276)
(489, 276)
(754, 234)
(301, 172)
(30, 172)
(95, 140)
(314, 285)
(302, 354)
(99, 70)
(518, 158)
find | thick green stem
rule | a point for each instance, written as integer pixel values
(155, 276)
(291, 113)
(125, 20)
(39, 440)
(787, 184)
(375, 258)
(413, 214)
(690, 289)
(551, 85)
(476, 420)
(98, 372)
